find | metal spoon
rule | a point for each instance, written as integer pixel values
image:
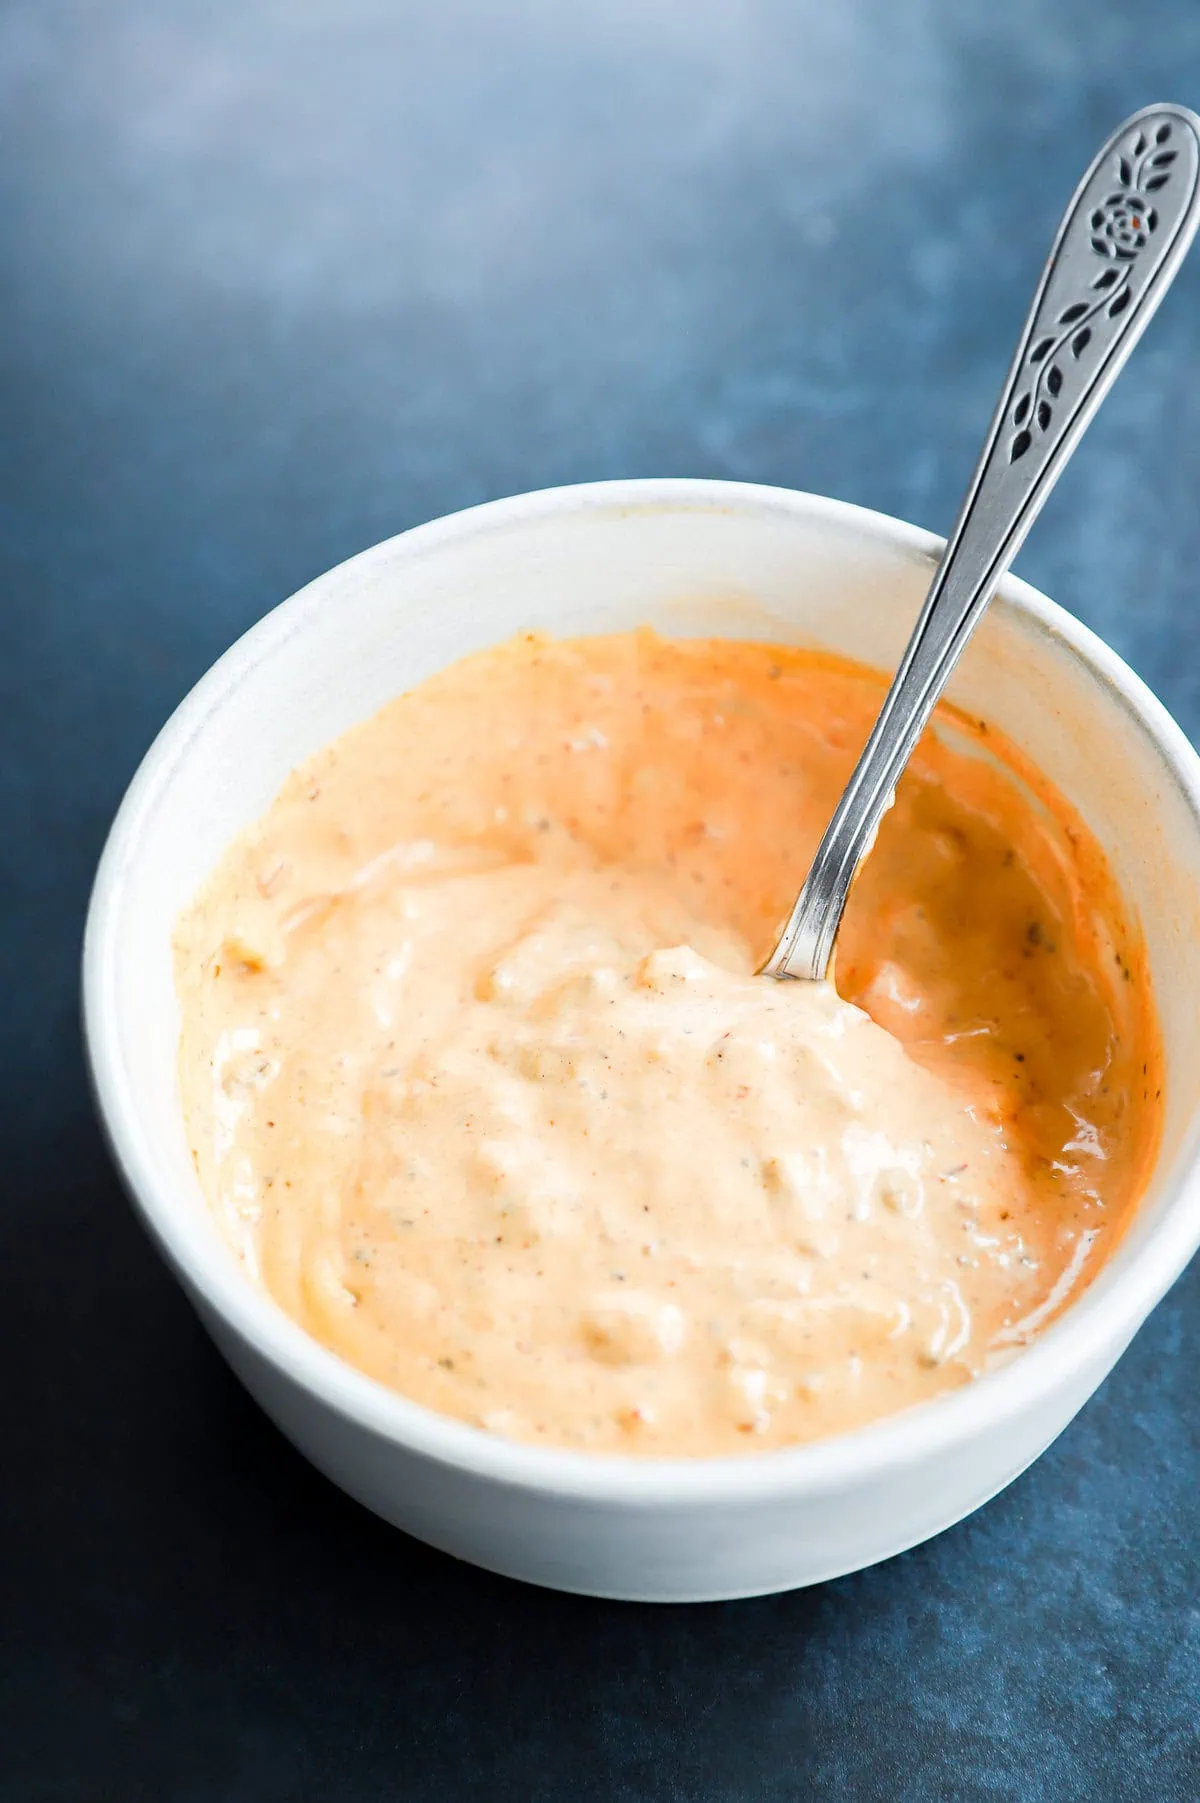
(1124, 234)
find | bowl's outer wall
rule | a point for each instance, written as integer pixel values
(688, 558)
(650, 1552)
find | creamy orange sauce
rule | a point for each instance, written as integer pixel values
(480, 1081)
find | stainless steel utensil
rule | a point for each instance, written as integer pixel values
(1124, 235)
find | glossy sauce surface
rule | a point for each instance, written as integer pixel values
(480, 1081)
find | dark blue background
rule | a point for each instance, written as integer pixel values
(282, 277)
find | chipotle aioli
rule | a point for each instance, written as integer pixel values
(481, 1083)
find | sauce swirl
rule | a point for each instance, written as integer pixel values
(480, 1081)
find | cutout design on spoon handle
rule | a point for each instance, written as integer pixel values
(1122, 238)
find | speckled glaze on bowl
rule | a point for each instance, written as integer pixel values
(686, 557)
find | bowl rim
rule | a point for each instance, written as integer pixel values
(1091, 1331)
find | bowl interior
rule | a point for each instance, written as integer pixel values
(689, 559)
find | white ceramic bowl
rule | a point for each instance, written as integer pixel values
(688, 557)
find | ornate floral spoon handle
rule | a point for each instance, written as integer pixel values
(1123, 237)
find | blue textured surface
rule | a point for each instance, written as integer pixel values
(279, 280)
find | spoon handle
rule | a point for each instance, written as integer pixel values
(1123, 236)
